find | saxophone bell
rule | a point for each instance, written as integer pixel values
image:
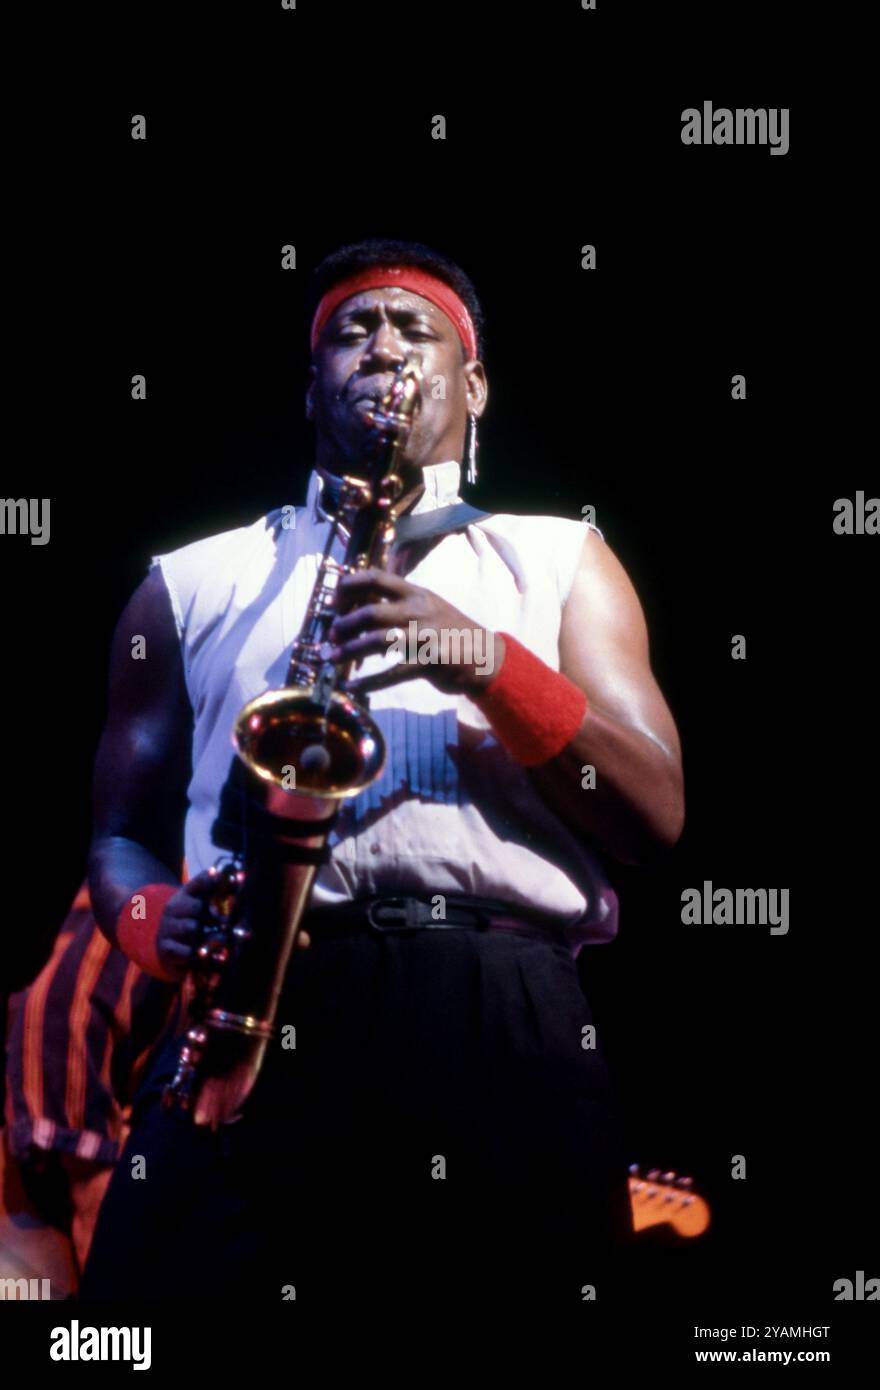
(289, 739)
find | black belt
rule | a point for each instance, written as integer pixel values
(408, 914)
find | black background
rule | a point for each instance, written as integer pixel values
(609, 387)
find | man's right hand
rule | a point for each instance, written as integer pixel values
(181, 921)
(180, 924)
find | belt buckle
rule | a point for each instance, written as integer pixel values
(402, 919)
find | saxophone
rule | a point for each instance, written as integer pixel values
(299, 750)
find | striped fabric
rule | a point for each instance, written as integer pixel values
(417, 761)
(79, 1040)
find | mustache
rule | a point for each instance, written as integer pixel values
(351, 399)
(358, 391)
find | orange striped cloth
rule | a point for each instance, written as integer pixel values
(80, 1039)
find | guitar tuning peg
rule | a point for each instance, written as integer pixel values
(654, 1175)
(634, 1169)
(668, 1177)
(684, 1182)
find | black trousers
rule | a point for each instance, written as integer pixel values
(439, 1134)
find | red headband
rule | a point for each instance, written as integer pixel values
(407, 277)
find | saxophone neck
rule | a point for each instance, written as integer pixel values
(392, 418)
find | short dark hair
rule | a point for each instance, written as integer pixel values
(360, 255)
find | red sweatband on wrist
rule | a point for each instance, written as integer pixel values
(534, 710)
(136, 936)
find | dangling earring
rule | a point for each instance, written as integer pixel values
(470, 449)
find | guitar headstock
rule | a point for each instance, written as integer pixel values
(659, 1199)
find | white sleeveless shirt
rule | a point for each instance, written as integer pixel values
(452, 811)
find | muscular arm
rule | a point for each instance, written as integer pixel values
(636, 809)
(143, 762)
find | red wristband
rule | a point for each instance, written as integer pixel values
(138, 926)
(534, 710)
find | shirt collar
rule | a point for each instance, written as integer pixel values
(441, 490)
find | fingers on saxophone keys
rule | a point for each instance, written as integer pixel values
(357, 620)
(357, 647)
(176, 951)
(187, 910)
(380, 681)
(175, 958)
(187, 928)
(371, 578)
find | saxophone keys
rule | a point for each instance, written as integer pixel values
(213, 952)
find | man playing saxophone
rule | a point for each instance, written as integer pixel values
(436, 1080)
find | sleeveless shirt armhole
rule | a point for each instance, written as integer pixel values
(568, 584)
(172, 592)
